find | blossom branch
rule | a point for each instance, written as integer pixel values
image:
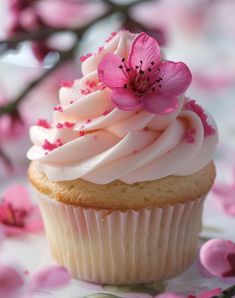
(43, 33)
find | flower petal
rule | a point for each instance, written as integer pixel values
(159, 104)
(10, 279)
(176, 77)
(125, 100)
(215, 256)
(210, 293)
(144, 48)
(109, 72)
(17, 196)
(49, 277)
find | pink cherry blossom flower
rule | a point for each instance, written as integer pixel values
(17, 213)
(143, 80)
(218, 257)
(225, 196)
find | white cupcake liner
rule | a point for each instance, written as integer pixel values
(122, 247)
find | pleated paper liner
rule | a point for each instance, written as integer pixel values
(122, 247)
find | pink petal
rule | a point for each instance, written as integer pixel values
(176, 78)
(10, 279)
(214, 257)
(146, 49)
(210, 293)
(33, 222)
(224, 196)
(109, 72)
(159, 104)
(49, 277)
(18, 197)
(125, 100)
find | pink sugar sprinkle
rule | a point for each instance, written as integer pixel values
(67, 84)
(88, 121)
(193, 106)
(101, 87)
(85, 91)
(100, 49)
(59, 125)
(113, 34)
(91, 84)
(58, 108)
(43, 123)
(189, 136)
(85, 57)
(68, 124)
(51, 146)
(106, 112)
(81, 133)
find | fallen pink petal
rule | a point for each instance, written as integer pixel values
(10, 281)
(49, 277)
(218, 257)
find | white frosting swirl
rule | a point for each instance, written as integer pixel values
(104, 143)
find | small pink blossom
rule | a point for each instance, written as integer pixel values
(218, 257)
(17, 213)
(51, 146)
(143, 80)
(225, 196)
(191, 105)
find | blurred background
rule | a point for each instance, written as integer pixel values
(42, 40)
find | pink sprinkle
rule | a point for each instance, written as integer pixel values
(58, 108)
(85, 57)
(113, 34)
(43, 123)
(106, 112)
(51, 146)
(85, 91)
(101, 87)
(189, 136)
(67, 84)
(91, 84)
(88, 121)
(68, 124)
(100, 49)
(71, 101)
(59, 125)
(81, 133)
(193, 106)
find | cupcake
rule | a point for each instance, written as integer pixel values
(123, 169)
